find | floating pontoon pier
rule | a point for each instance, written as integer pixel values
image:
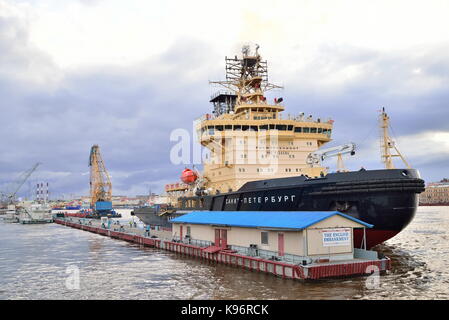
(205, 251)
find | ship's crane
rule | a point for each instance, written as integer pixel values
(316, 157)
(100, 184)
(17, 184)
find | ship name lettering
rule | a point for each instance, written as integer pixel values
(273, 199)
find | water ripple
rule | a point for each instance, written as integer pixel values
(34, 260)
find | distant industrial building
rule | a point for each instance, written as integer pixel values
(118, 201)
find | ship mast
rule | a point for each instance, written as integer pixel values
(387, 144)
(247, 77)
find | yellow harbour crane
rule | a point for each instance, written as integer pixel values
(100, 184)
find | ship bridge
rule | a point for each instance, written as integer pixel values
(290, 127)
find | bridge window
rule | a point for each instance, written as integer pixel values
(313, 130)
(306, 130)
(290, 128)
(298, 129)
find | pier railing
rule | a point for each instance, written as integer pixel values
(268, 254)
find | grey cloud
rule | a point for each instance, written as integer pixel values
(385, 81)
(130, 111)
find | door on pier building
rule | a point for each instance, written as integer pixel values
(281, 244)
(221, 238)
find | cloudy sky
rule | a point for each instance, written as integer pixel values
(124, 74)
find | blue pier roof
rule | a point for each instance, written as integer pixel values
(262, 219)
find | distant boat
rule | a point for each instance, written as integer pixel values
(73, 207)
(35, 213)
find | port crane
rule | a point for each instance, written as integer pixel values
(17, 184)
(100, 184)
(316, 157)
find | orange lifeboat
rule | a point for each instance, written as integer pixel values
(188, 176)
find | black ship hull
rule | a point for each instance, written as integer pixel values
(388, 199)
(150, 216)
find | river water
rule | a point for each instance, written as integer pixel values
(43, 261)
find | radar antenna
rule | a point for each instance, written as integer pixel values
(247, 77)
